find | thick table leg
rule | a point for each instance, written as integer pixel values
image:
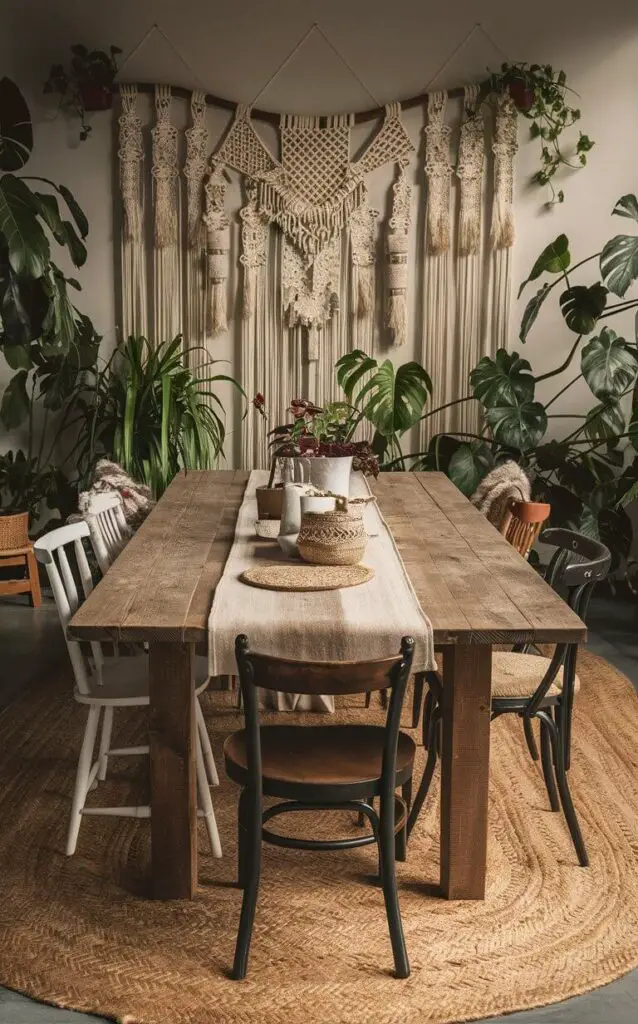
(465, 769)
(173, 787)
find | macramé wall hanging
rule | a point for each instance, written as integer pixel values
(307, 268)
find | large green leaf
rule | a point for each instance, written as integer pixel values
(14, 409)
(16, 133)
(531, 311)
(554, 259)
(26, 241)
(619, 263)
(75, 209)
(468, 466)
(627, 206)
(392, 400)
(605, 422)
(608, 364)
(581, 306)
(23, 305)
(62, 230)
(504, 380)
(60, 323)
(520, 425)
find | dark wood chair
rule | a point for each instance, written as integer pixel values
(535, 687)
(321, 767)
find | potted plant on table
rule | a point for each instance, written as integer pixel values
(88, 85)
(322, 434)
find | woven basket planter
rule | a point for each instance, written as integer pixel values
(332, 538)
(14, 531)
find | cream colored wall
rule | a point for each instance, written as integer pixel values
(394, 50)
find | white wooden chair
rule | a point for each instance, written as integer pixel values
(104, 514)
(104, 683)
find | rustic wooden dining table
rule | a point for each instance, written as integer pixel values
(473, 586)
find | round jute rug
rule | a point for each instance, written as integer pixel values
(79, 933)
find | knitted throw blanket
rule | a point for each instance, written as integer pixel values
(501, 486)
(136, 498)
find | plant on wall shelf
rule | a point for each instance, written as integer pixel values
(87, 85)
(47, 342)
(540, 95)
(150, 413)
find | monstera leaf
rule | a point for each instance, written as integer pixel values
(608, 364)
(15, 401)
(468, 466)
(627, 206)
(619, 263)
(392, 400)
(26, 241)
(16, 133)
(605, 422)
(532, 310)
(504, 380)
(520, 425)
(554, 259)
(581, 306)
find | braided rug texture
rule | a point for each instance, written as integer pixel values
(78, 932)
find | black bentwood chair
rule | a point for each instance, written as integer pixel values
(531, 686)
(333, 767)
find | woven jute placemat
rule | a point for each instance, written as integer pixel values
(307, 577)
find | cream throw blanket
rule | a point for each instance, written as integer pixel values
(353, 624)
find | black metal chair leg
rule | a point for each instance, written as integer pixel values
(251, 867)
(428, 708)
(546, 759)
(417, 698)
(242, 837)
(565, 795)
(529, 738)
(401, 837)
(389, 882)
(428, 772)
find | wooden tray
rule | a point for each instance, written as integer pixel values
(307, 577)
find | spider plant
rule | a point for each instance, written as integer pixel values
(152, 414)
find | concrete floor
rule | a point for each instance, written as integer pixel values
(31, 637)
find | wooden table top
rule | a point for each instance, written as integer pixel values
(471, 583)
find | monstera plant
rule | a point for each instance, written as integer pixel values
(589, 471)
(390, 398)
(44, 339)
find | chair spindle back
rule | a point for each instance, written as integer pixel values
(521, 524)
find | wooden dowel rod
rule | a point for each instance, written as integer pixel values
(272, 117)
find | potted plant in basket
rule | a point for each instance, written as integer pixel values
(88, 85)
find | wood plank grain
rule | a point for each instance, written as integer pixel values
(465, 769)
(173, 789)
(161, 586)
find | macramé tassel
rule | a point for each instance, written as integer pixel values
(397, 317)
(364, 302)
(504, 147)
(397, 259)
(218, 244)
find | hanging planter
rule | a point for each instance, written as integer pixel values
(87, 86)
(540, 94)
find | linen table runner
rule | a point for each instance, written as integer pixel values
(353, 624)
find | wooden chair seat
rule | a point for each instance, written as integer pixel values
(317, 756)
(520, 675)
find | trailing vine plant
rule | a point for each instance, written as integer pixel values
(540, 94)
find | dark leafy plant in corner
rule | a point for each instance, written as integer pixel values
(43, 337)
(152, 414)
(540, 95)
(87, 85)
(588, 473)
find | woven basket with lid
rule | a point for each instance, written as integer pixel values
(333, 538)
